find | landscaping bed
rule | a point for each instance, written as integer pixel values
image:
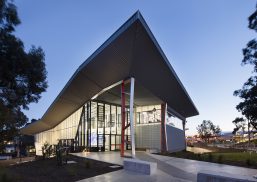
(243, 159)
(48, 171)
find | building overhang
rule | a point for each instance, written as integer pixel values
(132, 51)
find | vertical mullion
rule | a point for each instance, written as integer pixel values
(116, 122)
(84, 128)
(87, 125)
(104, 126)
(97, 135)
(110, 120)
(90, 112)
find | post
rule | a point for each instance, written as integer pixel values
(163, 130)
(184, 129)
(131, 116)
(123, 113)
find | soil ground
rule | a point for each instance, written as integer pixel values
(47, 170)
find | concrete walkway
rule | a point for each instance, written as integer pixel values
(169, 168)
(127, 176)
(190, 168)
(110, 157)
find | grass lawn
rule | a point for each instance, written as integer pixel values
(48, 171)
(244, 159)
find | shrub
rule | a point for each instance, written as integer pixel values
(248, 162)
(199, 157)
(210, 157)
(220, 159)
(44, 150)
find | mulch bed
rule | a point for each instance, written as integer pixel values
(48, 171)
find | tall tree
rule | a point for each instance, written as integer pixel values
(248, 93)
(240, 124)
(22, 74)
(207, 129)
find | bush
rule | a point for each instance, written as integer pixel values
(199, 157)
(248, 162)
(44, 150)
(210, 157)
(220, 159)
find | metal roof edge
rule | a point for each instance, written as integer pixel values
(120, 30)
(142, 20)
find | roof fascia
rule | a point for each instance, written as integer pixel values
(142, 20)
(118, 32)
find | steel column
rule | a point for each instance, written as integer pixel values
(123, 112)
(163, 130)
(184, 129)
(131, 116)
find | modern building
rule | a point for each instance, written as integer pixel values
(125, 96)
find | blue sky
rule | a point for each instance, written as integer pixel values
(203, 40)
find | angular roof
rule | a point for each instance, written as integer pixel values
(132, 51)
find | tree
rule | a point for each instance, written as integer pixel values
(22, 74)
(207, 129)
(248, 93)
(240, 124)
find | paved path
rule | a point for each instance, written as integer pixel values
(123, 175)
(162, 165)
(127, 176)
(169, 168)
(189, 168)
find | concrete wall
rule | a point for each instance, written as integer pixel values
(175, 139)
(148, 136)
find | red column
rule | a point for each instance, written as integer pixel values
(123, 115)
(163, 131)
(184, 129)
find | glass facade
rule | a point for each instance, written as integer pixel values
(174, 121)
(97, 127)
(148, 114)
(102, 123)
(64, 133)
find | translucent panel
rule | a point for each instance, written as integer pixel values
(174, 121)
(118, 142)
(100, 140)
(93, 139)
(107, 142)
(148, 114)
(103, 121)
(65, 130)
(119, 120)
(107, 118)
(138, 117)
(93, 115)
(113, 142)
